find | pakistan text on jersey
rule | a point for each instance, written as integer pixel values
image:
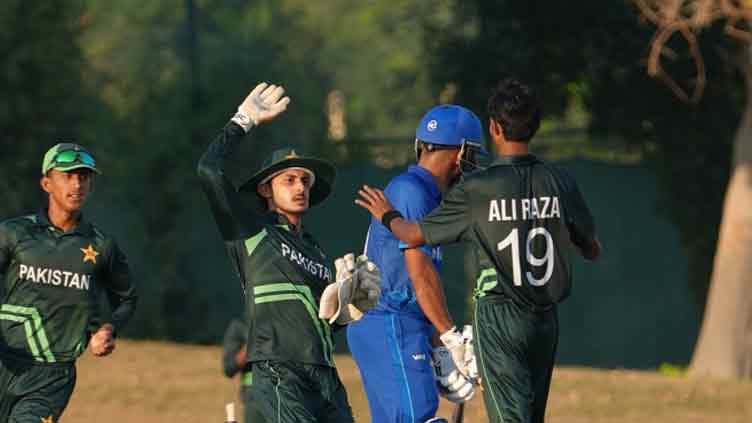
(510, 209)
(316, 269)
(55, 277)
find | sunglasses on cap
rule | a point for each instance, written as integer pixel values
(72, 156)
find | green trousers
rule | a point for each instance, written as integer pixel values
(286, 392)
(516, 350)
(251, 411)
(34, 393)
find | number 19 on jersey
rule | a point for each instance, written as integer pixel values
(547, 259)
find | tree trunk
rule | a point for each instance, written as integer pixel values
(724, 347)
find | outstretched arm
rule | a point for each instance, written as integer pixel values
(374, 200)
(263, 104)
(428, 289)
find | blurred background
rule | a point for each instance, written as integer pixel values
(147, 85)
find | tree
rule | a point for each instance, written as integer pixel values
(590, 51)
(41, 92)
(724, 348)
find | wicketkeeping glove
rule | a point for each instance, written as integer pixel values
(452, 384)
(368, 288)
(264, 103)
(355, 291)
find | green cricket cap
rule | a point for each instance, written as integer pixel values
(66, 157)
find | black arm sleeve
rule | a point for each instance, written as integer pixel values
(229, 213)
(5, 247)
(579, 220)
(235, 338)
(121, 293)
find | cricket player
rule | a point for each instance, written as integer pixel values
(524, 216)
(234, 362)
(392, 344)
(55, 264)
(292, 296)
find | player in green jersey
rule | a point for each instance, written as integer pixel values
(523, 216)
(55, 264)
(234, 362)
(292, 298)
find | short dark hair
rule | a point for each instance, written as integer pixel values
(516, 108)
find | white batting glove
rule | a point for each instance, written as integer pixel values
(452, 384)
(456, 343)
(263, 104)
(471, 365)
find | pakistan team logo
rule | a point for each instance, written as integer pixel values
(90, 254)
(47, 419)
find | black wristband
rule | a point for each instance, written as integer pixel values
(387, 218)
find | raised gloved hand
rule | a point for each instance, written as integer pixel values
(452, 384)
(263, 104)
(355, 291)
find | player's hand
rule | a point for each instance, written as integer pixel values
(338, 294)
(102, 343)
(368, 286)
(356, 290)
(452, 384)
(263, 104)
(373, 200)
(240, 357)
(456, 343)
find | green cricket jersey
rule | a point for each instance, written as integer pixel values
(51, 286)
(522, 215)
(283, 272)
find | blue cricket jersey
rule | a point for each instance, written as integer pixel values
(415, 194)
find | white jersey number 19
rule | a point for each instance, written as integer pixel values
(547, 259)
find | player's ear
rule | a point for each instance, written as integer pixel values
(494, 128)
(265, 190)
(46, 184)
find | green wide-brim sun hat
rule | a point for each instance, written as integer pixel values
(325, 174)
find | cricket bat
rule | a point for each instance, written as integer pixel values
(230, 413)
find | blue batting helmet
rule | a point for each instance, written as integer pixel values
(450, 125)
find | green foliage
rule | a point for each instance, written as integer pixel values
(147, 85)
(170, 74)
(40, 87)
(593, 52)
(672, 370)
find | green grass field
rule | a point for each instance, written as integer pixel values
(150, 382)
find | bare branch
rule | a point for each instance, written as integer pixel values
(658, 48)
(648, 11)
(733, 31)
(688, 17)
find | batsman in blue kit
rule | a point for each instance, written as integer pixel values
(392, 343)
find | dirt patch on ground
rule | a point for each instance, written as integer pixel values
(156, 382)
